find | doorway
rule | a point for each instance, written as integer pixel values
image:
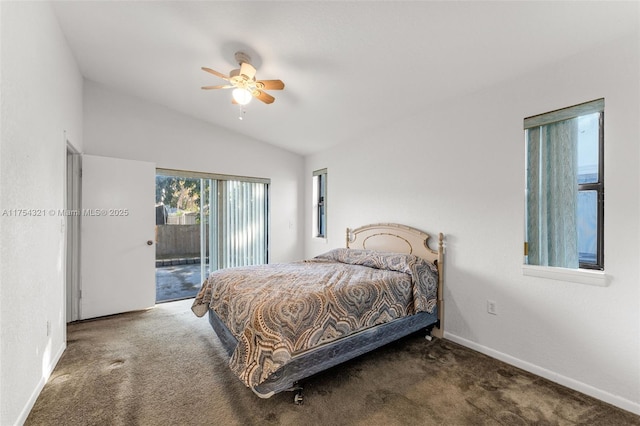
(178, 251)
(206, 222)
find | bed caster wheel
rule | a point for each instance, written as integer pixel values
(297, 399)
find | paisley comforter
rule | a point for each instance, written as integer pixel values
(278, 311)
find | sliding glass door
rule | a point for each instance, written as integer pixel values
(234, 223)
(228, 218)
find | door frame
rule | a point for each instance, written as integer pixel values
(72, 204)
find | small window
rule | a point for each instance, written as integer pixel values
(565, 187)
(320, 203)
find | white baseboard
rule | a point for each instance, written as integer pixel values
(43, 381)
(607, 397)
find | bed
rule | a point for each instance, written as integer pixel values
(282, 323)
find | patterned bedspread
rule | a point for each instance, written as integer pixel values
(277, 311)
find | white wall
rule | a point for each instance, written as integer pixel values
(122, 126)
(462, 173)
(41, 95)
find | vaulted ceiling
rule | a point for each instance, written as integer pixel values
(347, 66)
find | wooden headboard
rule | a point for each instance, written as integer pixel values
(392, 237)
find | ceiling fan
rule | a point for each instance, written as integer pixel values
(243, 82)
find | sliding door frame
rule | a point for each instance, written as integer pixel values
(213, 200)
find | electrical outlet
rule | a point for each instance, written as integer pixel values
(492, 307)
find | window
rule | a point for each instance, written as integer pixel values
(565, 187)
(320, 203)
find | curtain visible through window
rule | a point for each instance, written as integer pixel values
(552, 194)
(565, 187)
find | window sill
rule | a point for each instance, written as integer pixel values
(320, 239)
(582, 276)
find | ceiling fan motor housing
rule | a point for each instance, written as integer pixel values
(242, 57)
(242, 81)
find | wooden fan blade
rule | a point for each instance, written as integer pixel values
(216, 73)
(223, 86)
(264, 96)
(248, 70)
(271, 84)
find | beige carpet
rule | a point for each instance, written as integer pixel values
(166, 367)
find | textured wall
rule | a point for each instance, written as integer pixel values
(41, 110)
(459, 169)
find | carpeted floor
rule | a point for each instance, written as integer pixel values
(165, 366)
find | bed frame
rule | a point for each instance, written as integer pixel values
(380, 237)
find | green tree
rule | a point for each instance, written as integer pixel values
(178, 192)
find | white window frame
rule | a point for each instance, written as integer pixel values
(579, 275)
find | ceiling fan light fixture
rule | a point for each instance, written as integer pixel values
(244, 83)
(241, 96)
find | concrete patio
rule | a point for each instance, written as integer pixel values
(175, 282)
